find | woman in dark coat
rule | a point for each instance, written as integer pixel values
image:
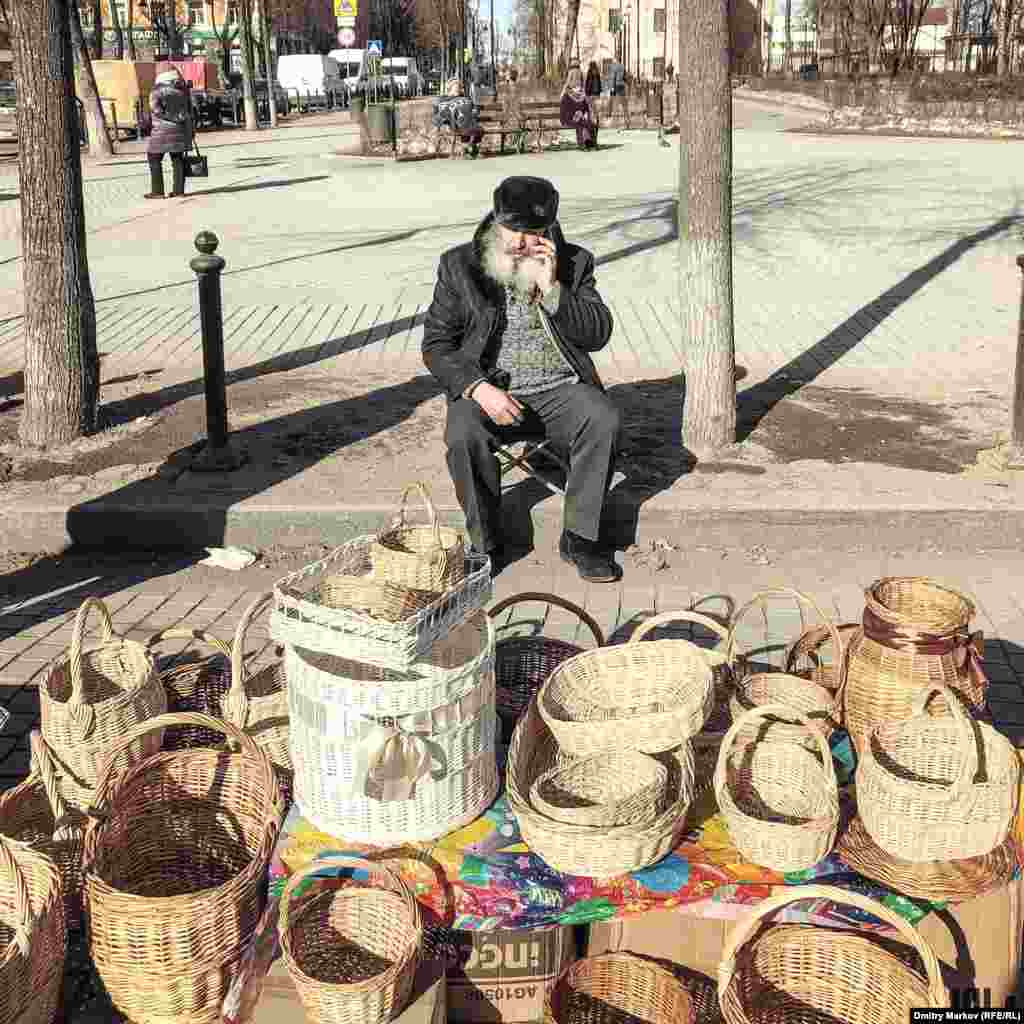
(576, 111)
(593, 84)
(172, 132)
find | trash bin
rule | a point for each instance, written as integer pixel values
(382, 122)
(809, 72)
(357, 104)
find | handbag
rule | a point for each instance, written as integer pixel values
(196, 165)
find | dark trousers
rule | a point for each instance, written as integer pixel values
(579, 420)
(156, 172)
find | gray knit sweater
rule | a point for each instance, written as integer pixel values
(532, 360)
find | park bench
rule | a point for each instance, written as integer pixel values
(526, 119)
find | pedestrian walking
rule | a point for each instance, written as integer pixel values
(576, 110)
(617, 90)
(172, 133)
(592, 86)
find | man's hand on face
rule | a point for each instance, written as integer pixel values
(499, 405)
(543, 263)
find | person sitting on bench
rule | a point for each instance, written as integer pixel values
(514, 316)
(576, 111)
(459, 113)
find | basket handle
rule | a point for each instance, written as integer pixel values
(964, 780)
(83, 715)
(560, 602)
(394, 883)
(813, 638)
(428, 504)
(784, 592)
(22, 900)
(43, 766)
(745, 928)
(782, 711)
(199, 635)
(235, 704)
(720, 654)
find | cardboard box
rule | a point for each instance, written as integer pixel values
(979, 943)
(501, 977)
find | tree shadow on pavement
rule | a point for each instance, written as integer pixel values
(253, 188)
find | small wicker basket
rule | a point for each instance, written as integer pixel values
(642, 696)
(35, 812)
(351, 949)
(805, 656)
(615, 787)
(418, 557)
(196, 684)
(616, 988)
(779, 802)
(91, 698)
(782, 974)
(815, 702)
(523, 663)
(918, 786)
(35, 939)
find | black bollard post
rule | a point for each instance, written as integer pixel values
(218, 455)
(1015, 452)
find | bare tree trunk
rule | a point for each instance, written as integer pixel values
(61, 364)
(95, 119)
(248, 66)
(115, 20)
(269, 59)
(705, 230)
(131, 30)
(571, 26)
(97, 30)
(1005, 38)
(789, 36)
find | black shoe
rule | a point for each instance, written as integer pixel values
(497, 554)
(594, 563)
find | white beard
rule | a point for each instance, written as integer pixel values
(518, 272)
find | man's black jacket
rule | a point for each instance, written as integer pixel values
(462, 325)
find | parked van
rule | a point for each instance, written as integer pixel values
(351, 65)
(404, 73)
(313, 75)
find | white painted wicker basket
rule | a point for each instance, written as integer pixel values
(301, 620)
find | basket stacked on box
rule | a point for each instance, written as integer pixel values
(391, 698)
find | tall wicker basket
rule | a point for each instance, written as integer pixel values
(90, 699)
(914, 634)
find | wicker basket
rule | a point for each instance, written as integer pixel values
(589, 851)
(779, 802)
(419, 557)
(813, 701)
(615, 787)
(34, 933)
(615, 988)
(804, 657)
(918, 786)
(885, 670)
(91, 698)
(302, 619)
(175, 880)
(35, 812)
(258, 703)
(796, 973)
(642, 696)
(523, 663)
(197, 684)
(743, 664)
(352, 949)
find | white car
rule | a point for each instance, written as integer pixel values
(407, 78)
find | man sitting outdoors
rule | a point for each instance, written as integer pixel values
(515, 314)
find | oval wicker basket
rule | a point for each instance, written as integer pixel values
(881, 681)
(642, 696)
(785, 973)
(352, 949)
(196, 684)
(615, 787)
(176, 860)
(919, 794)
(258, 702)
(590, 851)
(428, 557)
(815, 702)
(35, 937)
(34, 812)
(779, 803)
(805, 656)
(523, 663)
(614, 988)
(91, 698)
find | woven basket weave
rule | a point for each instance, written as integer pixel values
(35, 812)
(779, 802)
(176, 861)
(352, 949)
(918, 785)
(428, 557)
(91, 698)
(644, 696)
(761, 688)
(881, 681)
(523, 663)
(35, 938)
(616, 988)
(805, 656)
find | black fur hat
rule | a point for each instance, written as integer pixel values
(526, 204)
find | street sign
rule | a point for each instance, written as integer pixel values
(374, 48)
(347, 37)
(345, 8)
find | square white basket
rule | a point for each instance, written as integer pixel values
(301, 621)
